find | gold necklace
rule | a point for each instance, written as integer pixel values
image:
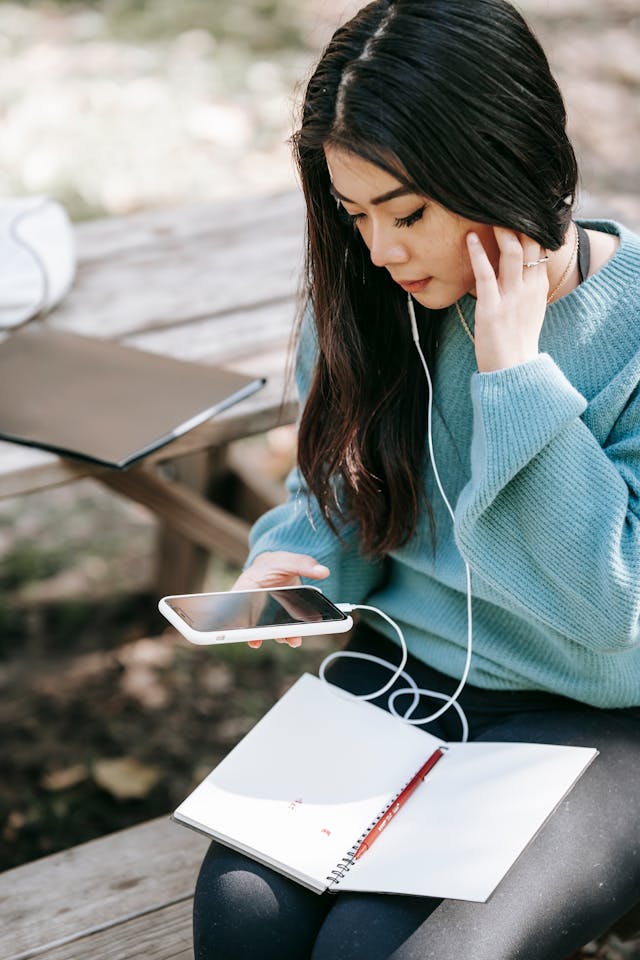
(465, 325)
(572, 258)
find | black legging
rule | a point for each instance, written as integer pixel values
(580, 874)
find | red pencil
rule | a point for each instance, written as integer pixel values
(398, 803)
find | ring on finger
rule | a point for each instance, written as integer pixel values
(534, 263)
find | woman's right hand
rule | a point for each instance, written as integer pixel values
(279, 569)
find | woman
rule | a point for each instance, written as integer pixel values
(435, 165)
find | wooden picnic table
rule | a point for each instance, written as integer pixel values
(214, 283)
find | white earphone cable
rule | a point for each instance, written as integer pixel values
(399, 671)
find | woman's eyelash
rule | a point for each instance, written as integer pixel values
(350, 218)
(409, 221)
(412, 218)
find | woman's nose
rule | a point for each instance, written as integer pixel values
(385, 248)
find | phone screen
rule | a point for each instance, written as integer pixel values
(241, 610)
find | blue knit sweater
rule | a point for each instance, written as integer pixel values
(542, 462)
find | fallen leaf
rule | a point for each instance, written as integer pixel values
(125, 777)
(65, 778)
(155, 652)
(142, 684)
(13, 825)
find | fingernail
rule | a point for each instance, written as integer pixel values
(319, 569)
(473, 238)
(296, 642)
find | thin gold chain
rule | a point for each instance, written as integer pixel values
(572, 258)
(465, 325)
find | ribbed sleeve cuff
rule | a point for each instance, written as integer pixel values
(291, 527)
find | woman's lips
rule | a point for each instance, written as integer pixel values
(414, 286)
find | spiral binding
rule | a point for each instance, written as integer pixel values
(344, 865)
(340, 871)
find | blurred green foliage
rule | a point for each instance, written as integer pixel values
(260, 25)
(27, 561)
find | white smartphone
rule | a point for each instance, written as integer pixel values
(254, 614)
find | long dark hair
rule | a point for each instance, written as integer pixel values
(455, 99)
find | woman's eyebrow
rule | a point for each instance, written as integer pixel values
(376, 201)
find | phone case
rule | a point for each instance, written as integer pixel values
(273, 632)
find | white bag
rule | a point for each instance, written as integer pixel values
(37, 257)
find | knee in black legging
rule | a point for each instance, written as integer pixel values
(242, 909)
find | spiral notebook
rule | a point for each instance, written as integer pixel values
(102, 401)
(306, 784)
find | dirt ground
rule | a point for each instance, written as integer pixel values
(107, 719)
(120, 728)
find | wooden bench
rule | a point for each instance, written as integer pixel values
(216, 284)
(126, 895)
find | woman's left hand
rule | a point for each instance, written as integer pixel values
(511, 305)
